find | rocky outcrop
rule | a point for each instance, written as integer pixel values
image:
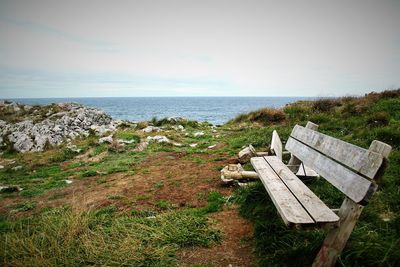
(61, 123)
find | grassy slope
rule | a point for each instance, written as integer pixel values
(52, 236)
(376, 239)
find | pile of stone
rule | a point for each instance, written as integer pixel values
(67, 122)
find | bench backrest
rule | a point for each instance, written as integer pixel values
(351, 169)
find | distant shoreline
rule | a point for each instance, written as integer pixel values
(216, 110)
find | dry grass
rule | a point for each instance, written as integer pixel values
(102, 238)
(266, 116)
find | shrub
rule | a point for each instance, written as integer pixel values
(265, 116)
(378, 119)
(325, 104)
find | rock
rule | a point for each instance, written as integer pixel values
(27, 107)
(22, 142)
(178, 144)
(74, 148)
(72, 121)
(68, 181)
(158, 139)
(107, 139)
(141, 146)
(193, 145)
(15, 107)
(17, 168)
(150, 129)
(1, 167)
(176, 119)
(178, 127)
(211, 147)
(10, 189)
(122, 141)
(197, 134)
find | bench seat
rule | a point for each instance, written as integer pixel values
(295, 202)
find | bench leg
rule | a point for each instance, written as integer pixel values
(336, 239)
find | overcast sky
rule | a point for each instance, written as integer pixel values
(198, 48)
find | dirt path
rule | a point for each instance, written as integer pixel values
(179, 179)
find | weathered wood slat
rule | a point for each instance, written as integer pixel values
(336, 239)
(359, 159)
(295, 162)
(287, 205)
(351, 184)
(276, 145)
(314, 206)
(306, 171)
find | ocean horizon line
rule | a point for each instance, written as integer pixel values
(71, 97)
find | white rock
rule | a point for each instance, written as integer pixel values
(74, 120)
(74, 148)
(212, 146)
(27, 107)
(158, 139)
(122, 141)
(1, 167)
(107, 139)
(22, 141)
(17, 168)
(193, 145)
(178, 144)
(197, 134)
(68, 181)
(150, 129)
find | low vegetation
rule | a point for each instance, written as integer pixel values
(376, 237)
(43, 225)
(265, 116)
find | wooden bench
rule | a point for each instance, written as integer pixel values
(351, 169)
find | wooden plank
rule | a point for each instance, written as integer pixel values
(294, 162)
(276, 145)
(337, 238)
(306, 171)
(314, 206)
(381, 148)
(351, 184)
(287, 205)
(359, 159)
(349, 213)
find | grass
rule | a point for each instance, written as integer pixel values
(151, 237)
(377, 234)
(266, 116)
(64, 237)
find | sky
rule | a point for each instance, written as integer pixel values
(51, 48)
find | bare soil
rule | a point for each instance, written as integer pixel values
(173, 177)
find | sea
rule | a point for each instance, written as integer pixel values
(216, 110)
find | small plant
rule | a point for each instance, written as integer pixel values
(159, 185)
(116, 197)
(163, 204)
(89, 173)
(22, 207)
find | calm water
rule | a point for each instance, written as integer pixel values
(216, 110)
